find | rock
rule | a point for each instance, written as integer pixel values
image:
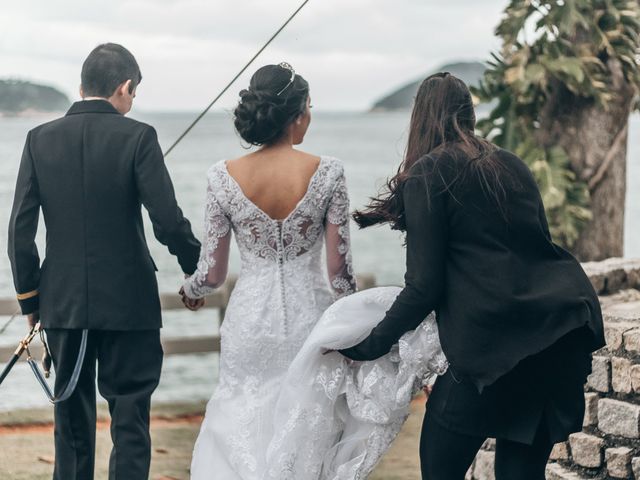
(586, 449)
(591, 408)
(618, 462)
(600, 374)
(558, 472)
(469, 474)
(598, 280)
(632, 269)
(621, 375)
(614, 330)
(635, 467)
(484, 467)
(616, 279)
(489, 444)
(631, 339)
(635, 377)
(613, 274)
(560, 451)
(619, 418)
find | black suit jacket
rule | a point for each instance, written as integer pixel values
(90, 172)
(501, 289)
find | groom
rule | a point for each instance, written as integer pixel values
(90, 172)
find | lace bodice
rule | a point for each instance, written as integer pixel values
(323, 212)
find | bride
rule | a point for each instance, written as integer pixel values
(281, 410)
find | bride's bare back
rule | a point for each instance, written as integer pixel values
(274, 180)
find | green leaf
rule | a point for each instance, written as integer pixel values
(572, 67)
(569, 51)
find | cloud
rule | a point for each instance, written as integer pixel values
(351, 52)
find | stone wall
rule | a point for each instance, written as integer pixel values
(609, 445)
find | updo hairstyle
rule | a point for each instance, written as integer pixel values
(275, 98)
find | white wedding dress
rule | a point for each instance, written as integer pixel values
(281, 410)
(336, 418)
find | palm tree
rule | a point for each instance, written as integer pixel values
(563, 86)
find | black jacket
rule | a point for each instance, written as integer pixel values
(90, 172)
(502, 291)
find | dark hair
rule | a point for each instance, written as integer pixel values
(270, 104)
(107, 67)
(442, 119)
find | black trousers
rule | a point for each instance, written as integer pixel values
(447, 455)
(538, 403)
(129, 365)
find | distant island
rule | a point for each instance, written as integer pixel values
(20, 97)
(402, 98)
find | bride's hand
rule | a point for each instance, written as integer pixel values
(192, 304)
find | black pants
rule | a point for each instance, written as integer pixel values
(129, 364)
(538, 403)
(447, 455)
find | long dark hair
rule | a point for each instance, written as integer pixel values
(442, 118)
(275, 98)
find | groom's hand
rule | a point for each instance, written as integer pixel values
(192, 304)
(33, 319)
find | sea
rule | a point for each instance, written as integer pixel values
(370, 145)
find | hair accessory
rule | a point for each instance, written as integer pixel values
(287, 66)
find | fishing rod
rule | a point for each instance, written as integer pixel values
(224, 90)
(8, 322)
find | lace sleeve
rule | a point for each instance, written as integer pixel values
(338, 244)
(214, 256)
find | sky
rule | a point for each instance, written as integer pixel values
(351, 51)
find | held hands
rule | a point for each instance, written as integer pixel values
(192, 304)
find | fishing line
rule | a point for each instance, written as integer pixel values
(11, 319)
(224, 90)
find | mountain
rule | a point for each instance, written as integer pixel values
(402, 98)
(17, 96)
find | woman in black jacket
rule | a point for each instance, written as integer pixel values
(518, 317)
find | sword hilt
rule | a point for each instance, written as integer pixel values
(22, 346)
(26, 341)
